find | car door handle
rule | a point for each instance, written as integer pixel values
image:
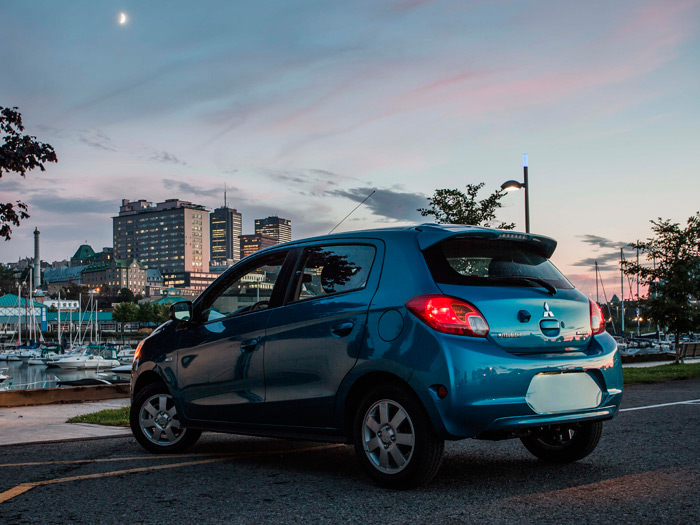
(249, 345)
(342, 329)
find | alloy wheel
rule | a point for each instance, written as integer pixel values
(158, 420)
(388, 436)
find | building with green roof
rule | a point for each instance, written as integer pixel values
(117, 274)
(13, 307)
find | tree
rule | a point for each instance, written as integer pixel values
(18, 154)
(126, 296)
(73, 291)
(161, 312)
(672, 274)
(146, 313)
(8, 283)
(455, 207)
(125, 313)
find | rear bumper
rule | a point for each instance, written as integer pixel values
(488, 387)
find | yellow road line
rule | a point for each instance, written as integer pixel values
(16, 491)
(24, 487)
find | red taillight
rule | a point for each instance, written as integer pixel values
(449, 315)
(597, 318)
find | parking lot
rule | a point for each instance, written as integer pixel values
(646, 469)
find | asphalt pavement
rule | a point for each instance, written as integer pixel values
(646, 469)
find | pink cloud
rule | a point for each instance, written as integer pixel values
(649, 40)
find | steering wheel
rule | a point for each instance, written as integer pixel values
(260, 305)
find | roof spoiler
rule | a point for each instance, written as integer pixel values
(432, 234)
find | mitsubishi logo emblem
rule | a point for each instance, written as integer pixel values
(547, 311)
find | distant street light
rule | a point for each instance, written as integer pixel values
(513, 185)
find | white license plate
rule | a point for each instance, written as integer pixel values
(563, 392)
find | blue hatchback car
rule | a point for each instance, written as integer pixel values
(393, 340)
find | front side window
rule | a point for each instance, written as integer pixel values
(249, 292)
(328, 270)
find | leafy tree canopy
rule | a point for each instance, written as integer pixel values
(456, 207)
(161, 313)
(18, 154)
(8, 283)
(125, 313)
(73, 291)
(146, 313)
(672, 273)
(126, 296)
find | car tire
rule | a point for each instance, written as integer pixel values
(154, 422)
(394, 440)
(565, 443)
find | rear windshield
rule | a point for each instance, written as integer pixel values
(484, 262)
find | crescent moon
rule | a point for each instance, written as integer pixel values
(122, 18)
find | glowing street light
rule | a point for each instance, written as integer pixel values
(513, 185)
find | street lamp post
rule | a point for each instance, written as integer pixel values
(512, 185)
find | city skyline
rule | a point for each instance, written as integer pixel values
(302, 111)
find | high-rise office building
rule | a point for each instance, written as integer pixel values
(225, 227)
(275, 228)
(252, 243)
(172, 236)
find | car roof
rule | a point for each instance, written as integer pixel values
(429, 234)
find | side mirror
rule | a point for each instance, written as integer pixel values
(181, 311)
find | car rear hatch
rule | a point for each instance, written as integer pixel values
(529, 305)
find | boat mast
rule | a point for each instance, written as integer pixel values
(59, 318)
(638, 309)
(70, 327)
(19, 315)
(597, 297)
(607, 303)
(622, 293)
(94, 307)
(30, 307)
(80, 318)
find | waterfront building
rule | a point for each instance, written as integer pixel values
(225, 227)
(117, 274)
(64, 304)
(154, 277)
(85, 256)
(162, 295)
(81, 256)
(221, 267)
(57, 278)
(172, 236)
(274, 228)
(252, 243)
(195, 280)
(14, 309)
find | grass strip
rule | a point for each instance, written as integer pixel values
(661, 373)
(113, 417)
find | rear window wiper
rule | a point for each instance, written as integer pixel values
(523, 278)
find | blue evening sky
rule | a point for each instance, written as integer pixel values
(303, 107)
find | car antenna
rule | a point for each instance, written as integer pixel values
(353, 211)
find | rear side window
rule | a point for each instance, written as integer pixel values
(488, 262)
(328, 270)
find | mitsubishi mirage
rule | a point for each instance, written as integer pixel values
(393, 340)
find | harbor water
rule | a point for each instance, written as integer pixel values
(23, 376)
